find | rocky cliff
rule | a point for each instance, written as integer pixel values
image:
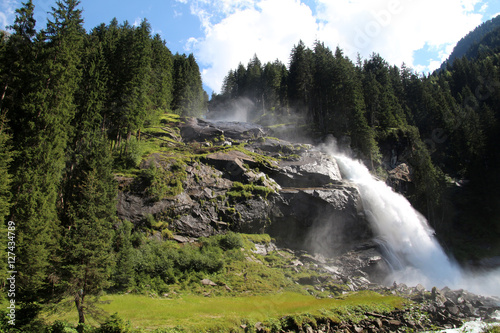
(234, 177)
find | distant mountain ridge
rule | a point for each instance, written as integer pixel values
(470, 45)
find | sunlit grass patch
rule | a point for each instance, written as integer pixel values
(198, 313)
(169, 118)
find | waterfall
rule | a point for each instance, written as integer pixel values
(408, 241)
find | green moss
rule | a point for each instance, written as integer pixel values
(245, 191)
(257, 238)
(164, 180)
(170, 118)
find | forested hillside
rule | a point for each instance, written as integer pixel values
(468, 45)
(72, 103)
(444, 126)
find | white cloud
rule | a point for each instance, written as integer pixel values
(3, 20)
(7, 13)
(236, 29)
(268, 28)
(177, 14)
(137, 22)
(495, 15)
(397, 28)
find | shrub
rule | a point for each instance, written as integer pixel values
(115, 324)
(163, 181)
(61, 327)
(231, 241)
(228, 241)
(133, 153)
(191, 258)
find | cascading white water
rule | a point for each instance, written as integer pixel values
(411, 248)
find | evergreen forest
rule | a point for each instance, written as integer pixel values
(75, 106)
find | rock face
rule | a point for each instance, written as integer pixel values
(195, 129)
(324, 220)
(311, 169)
(253, 184)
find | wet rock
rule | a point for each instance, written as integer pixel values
(326, 221)
(194, 129)
(312, 169)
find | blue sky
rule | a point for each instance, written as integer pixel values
(223, 33)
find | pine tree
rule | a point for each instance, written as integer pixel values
(88, 218)
(18, 51)
(322, 105)
(349, 98)
(41, 127)
(5, 194)
(92, 93)
(162, 71)
(300, 78)
(253, 82)
(189, 98)
(123, 275)
(272, 78)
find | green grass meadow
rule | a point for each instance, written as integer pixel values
(194, 313)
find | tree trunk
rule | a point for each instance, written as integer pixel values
(3, 95)
(79, 303)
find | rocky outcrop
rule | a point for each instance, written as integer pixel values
(324, 220)
(240, 180)
(310, 169)
(253, 184)
(400, 179)
(195, 129)
(306, 204)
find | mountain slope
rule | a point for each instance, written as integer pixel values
(472, 40)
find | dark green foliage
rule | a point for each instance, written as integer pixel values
(300, 78)
(44, 110)
(227, 241)
(155, 265)
(88, 217)
(64, 95)
(123, 274)
(115, 324)
(5, 194)
(162, 75)
(257, 88)
(163, 180)
(189, 99)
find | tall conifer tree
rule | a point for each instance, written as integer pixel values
(44, 113)
(88, 224)
(5, 195)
